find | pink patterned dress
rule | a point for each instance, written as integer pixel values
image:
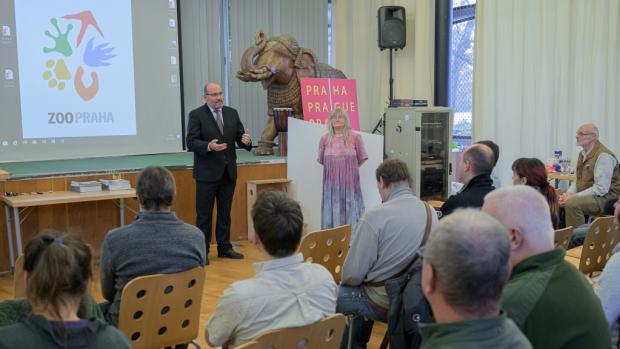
(342, 194)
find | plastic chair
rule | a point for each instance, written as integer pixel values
(600, 240)
(328, 248)
(562, 237)
(162, 310)
(325, 334)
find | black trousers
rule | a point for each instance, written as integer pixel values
(206, 195)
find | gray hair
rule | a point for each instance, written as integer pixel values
(155, 188)
(330, 127)
(524, 208)
(470, 255)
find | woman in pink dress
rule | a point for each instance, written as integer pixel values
(341, 152)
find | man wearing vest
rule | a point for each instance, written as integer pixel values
(597, 178)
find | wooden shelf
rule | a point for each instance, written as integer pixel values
(256, 186)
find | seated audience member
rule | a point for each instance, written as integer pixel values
(58, 271)
(608, 285)
(598, 179)
(475, 172)
(547, 297)
(466, 264)
(286, 292)
(384, 243)
(532, 172)
(495, 148)
(156, 243)
(13, 310)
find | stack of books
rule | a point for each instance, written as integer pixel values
(85, 187)
(115, 184)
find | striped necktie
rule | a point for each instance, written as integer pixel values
(218, 119)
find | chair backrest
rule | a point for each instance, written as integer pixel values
(327, 247)
(601, 238)
(563, 236)
(325, 334)
(162, 310)
(19, 279)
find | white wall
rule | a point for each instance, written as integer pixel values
(307, 173)
(358, 56)
(542, 68)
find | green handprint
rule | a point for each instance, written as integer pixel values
(61, 42)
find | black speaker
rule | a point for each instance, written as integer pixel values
(392, 31)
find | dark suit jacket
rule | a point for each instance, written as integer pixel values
(471, 196)
(210, 166)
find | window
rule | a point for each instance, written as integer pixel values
(331, 60)
(460, 95)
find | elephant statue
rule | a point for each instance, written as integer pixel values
(279, 64)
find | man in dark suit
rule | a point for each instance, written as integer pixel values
(475, 172)
(212, 131)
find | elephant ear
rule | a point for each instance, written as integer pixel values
(305, 58)
(259, 39)
(305, 64)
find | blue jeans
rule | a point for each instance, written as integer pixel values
(352, 301)
(579, 235)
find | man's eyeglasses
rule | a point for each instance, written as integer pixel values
(581, 134)
(215, 94)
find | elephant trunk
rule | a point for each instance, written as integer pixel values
(248, 71)
(247, 60)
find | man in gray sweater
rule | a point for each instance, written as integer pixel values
(384, 243)
(156, 243)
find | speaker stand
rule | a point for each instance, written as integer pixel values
(380, 122)
(391, 80)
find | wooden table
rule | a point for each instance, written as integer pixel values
(561, 176)
(21, 203)
(436, 204)
(4, 174)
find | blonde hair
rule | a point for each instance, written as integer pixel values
(330, 127)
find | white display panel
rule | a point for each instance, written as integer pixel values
(89, 78)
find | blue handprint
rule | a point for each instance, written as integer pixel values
(97, 56)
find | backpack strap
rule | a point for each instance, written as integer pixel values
(427, 231)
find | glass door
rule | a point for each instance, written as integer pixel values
(435, 156)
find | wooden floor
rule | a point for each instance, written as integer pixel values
(219, 274)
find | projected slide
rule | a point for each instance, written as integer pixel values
(76, 68)
(87, 78)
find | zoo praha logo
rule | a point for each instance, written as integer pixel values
(57, 73)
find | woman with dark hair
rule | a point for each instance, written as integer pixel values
(532, 172)
(341, 152)
(58, 271)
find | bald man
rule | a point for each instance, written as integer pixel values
(548, 298)
(598, 179)
(212, 131)
(475, 172)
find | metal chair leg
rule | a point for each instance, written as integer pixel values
(350, 341)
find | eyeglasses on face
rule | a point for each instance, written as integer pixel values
(215, 94)
(581, 134)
